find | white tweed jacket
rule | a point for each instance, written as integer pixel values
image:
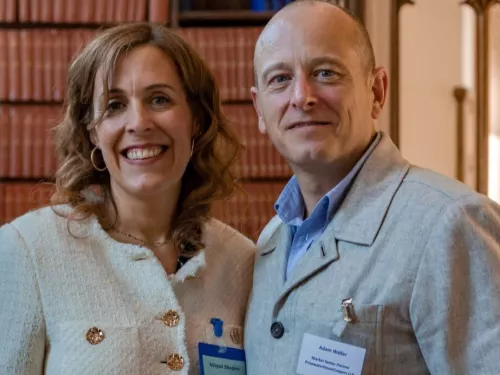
(92, 305)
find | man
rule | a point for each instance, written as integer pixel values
(371, 265)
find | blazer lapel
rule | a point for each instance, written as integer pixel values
(320, 255)
(363, 210)
(358, 219)
(274, 255)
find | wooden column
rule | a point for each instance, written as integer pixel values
(460, 94)
(481, 8)
(394, 69)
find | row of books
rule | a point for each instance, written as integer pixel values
(255, 5)
(35, 63)
(26, 142)
(229, 54)
(86, 11)
(27, 148)
(251, 210)
(248, 212)
(260, 158)
(266, 5)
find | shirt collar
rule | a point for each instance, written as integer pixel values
(290, 205)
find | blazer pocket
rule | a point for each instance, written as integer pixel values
(364, 331)
(82, 347)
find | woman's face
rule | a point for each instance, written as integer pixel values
(146, 133)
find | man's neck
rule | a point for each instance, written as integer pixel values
(315, 186)
(148, 219)
(316, 182)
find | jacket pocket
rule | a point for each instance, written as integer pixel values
(81, 347)
(364, 331)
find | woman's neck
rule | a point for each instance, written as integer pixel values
(148, 220)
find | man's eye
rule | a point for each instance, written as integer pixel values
(279, 78)
(326, 73)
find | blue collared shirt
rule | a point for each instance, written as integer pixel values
(290, 208)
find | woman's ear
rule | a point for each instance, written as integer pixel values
(196, 132)
(93, 137)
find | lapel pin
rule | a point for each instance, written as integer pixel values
(348, 309)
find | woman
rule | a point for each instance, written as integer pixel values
(126, 272)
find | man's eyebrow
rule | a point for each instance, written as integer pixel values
(268, 69)
(327, 60)
(313, 62)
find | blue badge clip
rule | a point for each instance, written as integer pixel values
(218, 332)
(217, 323)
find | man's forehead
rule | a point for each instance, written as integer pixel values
(287, 43)
(273, 36)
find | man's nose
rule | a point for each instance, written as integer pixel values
(303, 94)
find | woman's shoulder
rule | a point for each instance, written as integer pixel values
(224, 237)
(49, 223)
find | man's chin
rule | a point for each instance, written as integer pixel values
(313, 160)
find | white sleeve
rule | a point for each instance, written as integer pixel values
(22, 325)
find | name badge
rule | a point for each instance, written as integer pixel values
(217, 360)
(320, 356)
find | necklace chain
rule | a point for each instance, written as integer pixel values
(145, 243)
(181, 260)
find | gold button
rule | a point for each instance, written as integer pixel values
(175, 362)
(235, 335)
(94, 336)
(171, 318)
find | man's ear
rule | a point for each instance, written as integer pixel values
(380, 82)
(262, 124)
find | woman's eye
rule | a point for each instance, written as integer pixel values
(160, 100)
(114, 105)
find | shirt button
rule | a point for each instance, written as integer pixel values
(277, 330)
(175, 362)
(170, 318)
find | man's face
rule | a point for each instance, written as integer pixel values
(315, 98)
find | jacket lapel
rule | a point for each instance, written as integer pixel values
(362, 212)
(358, 219)
(320, 255)
(274, 254)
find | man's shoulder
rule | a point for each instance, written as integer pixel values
(426, 184)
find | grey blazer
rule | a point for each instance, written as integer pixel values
(419, 255)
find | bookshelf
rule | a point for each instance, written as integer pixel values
(41, 37)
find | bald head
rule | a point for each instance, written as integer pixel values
(307, 13)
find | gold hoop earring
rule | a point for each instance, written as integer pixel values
(92, 153)
(192, 147)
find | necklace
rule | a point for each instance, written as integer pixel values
(145, 243)
(181, 260)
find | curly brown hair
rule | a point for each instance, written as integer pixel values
(208, 176)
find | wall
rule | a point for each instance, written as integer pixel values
(494, 159)
(431, 66)
(376, 18)
(438, 54)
